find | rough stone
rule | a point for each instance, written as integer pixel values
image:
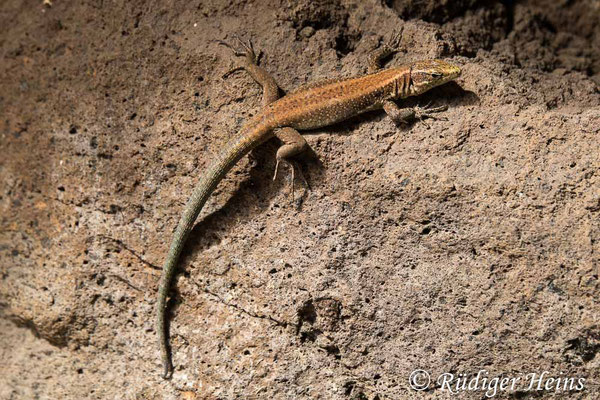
(452, 245)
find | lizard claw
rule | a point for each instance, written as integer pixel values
(247, 49)
(276, 169)
(427, 112)
(294, 166)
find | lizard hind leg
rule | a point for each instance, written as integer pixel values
(293, 144)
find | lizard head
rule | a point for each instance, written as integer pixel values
(425, 75)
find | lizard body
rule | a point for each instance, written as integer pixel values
(310, 107)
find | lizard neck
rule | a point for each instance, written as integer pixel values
(393, 83)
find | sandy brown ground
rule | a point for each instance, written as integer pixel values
(452, 245)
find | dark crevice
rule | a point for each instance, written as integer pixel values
(131, 251)
(242, 310)
(59, 339)
(510, 15)
(436, 12)
(308, 313)
(345, 43)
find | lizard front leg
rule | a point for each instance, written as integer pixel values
(378, 55)
(250, 65)
(293, 144)
(402, 116)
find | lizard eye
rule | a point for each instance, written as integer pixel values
(436, 75)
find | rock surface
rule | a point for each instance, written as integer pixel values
(449, 245)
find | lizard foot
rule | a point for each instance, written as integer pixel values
(427, 111)
(404, 116)
(294, 167)
(393, 44)
(245, 49)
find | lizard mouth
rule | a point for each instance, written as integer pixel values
(453, 72)
(457, 71)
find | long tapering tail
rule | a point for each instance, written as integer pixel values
(251, 136)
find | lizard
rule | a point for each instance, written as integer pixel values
(309, 107)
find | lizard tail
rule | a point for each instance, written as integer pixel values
(250, 137)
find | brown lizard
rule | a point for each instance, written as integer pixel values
(309, 107)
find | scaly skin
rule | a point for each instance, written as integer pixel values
(310, 107)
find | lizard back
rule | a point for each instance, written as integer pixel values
(322, 104)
